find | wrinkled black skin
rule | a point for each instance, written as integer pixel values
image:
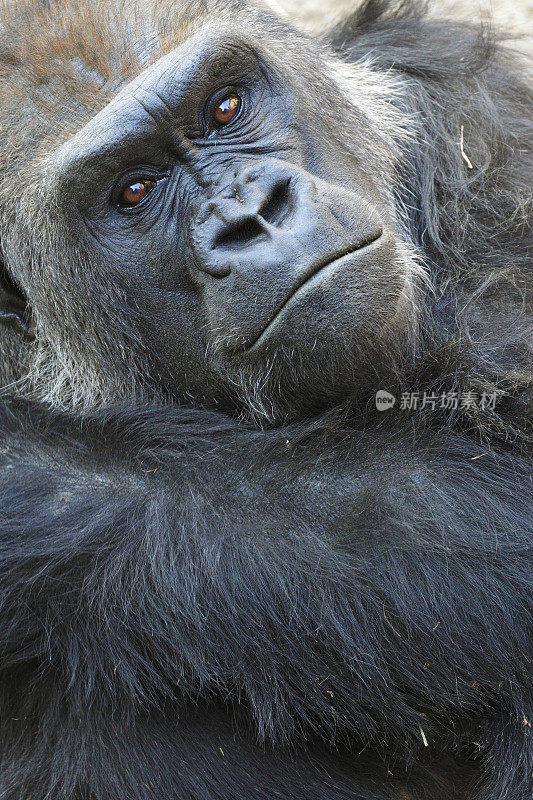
(174, 582)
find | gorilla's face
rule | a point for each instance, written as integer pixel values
(244, 208)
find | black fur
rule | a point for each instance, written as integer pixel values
(339, 608)
(373, 592)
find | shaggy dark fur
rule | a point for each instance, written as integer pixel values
(338, 607)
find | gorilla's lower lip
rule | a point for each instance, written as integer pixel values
(318, 273)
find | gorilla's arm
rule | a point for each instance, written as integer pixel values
(164, 555)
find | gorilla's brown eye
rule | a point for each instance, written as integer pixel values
(227, 109)
(135, 192)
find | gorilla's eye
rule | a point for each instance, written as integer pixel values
(226, 109)
(135, 192)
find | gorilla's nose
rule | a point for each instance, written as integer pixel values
(233, 229)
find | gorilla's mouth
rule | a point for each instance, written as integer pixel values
(323, 268)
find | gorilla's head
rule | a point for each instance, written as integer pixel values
(217, 209)
(208, 213)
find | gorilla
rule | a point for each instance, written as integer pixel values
(266, 367)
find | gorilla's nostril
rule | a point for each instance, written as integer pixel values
(278, 204)
(241, 234)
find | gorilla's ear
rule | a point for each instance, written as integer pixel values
(15, 311)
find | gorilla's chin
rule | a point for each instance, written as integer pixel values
(334, 301)
(322, 345)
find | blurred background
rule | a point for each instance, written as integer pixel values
(515, 15)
